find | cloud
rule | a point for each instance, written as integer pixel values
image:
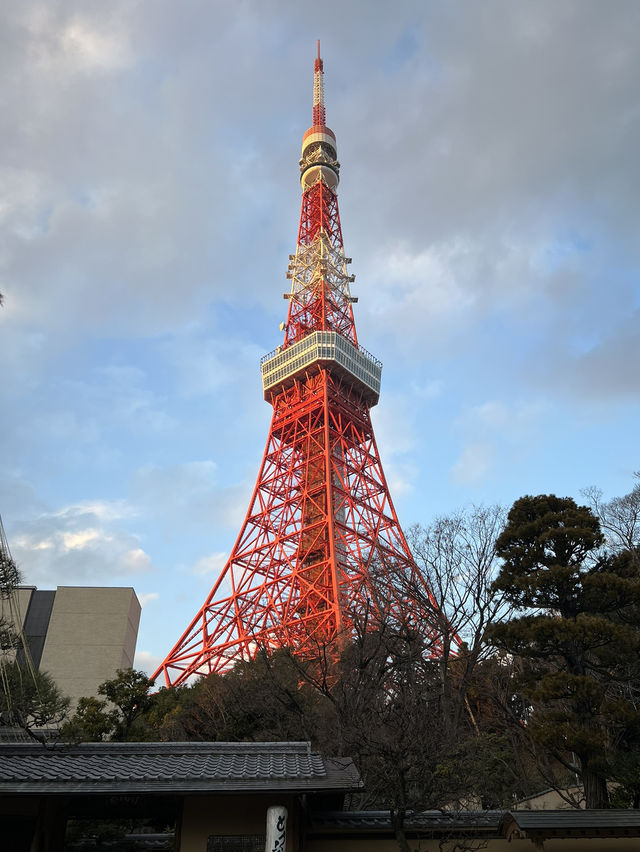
(207, 361)
(190, 494)
(474, 463)
(407, 281)
(147, 662)
(607, 371)
(104, 510)
(78, 545)
(435, 301)
(19, 493)
(496, 119)
(66, 41)
(148, 202)
(212, 564)
(91, 48)
(75, 541)
(430, 389)
(496, 434)
(394, 424)
(135, 561)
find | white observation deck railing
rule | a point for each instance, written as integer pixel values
(279, 367)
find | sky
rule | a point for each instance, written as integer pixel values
(149, 199)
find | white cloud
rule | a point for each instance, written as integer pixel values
(60, 44)
(474, 463)
(105, 510)
(416, 290)
(148, 598)
(495, 433)
(514, 422)
(148, 202)
(212, 564)
(79, 540)
(76, 545)
(430, 389)
(147, 662)
(93, 48)
(135, 561)
(190, 494)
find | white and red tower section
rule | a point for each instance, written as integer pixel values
(321, 543)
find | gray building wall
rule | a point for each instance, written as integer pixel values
(13, 611)
(80, 635)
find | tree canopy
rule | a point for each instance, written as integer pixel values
(543, 687)
(578, 624)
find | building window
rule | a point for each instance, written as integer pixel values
(236, 843)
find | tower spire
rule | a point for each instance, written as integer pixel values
(321, 546)
(319, 113)
(320, 297)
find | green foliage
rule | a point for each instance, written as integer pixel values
(265, 699)
(8, 636)
(579, 627)
(128, 693)
(160, 718)
(486, 761)
(382, 703)
(92, 722)
(433, 732)
(543, 547)
(10, 576)
(625, 759)
(119, 717)
(30, 699)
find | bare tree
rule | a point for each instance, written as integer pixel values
(619, 518)
(456, 557)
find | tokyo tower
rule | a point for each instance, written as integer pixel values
(320, 525)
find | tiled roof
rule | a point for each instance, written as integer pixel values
(170, 767)
(379, 822)
(557, 823)
(512, 825)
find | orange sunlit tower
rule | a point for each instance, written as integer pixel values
(321, 523)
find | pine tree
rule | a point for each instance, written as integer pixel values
(579, 621)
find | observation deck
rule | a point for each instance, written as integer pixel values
(325, 348)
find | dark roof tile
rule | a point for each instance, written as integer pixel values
(149, 767)
(513, 825)
(379, 822)
(573, 820)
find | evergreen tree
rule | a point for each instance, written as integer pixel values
(121, 717)
(128, 693)
(579, 621)
(29, 699)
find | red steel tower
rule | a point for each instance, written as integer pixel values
(320, 524)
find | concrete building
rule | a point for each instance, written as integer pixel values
(80, 635)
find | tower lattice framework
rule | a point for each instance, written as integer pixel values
(321, 540)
